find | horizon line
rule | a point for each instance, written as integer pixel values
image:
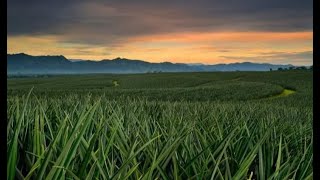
(221, 63)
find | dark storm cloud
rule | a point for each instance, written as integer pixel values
(99, 21)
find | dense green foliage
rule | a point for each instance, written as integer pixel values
(166, 126)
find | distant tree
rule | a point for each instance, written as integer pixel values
(270, 69)
(311, 67)
(280, 69)
(301, 68)
(291, 68)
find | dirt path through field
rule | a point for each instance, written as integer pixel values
(285, 92)
(115, 83)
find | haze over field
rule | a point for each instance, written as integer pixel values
(19, 64)
(205, 31)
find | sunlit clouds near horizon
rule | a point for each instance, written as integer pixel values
(204, 31)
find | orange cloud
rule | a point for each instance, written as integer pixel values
(226, 36)
(193, 47)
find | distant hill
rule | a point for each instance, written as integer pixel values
(75, 60)
(26, 64)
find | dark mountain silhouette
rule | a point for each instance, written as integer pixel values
(26, 64)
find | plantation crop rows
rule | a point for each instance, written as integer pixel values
(220, 125)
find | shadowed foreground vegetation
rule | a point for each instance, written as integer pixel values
(165, 126)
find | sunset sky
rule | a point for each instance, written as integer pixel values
(185, 31)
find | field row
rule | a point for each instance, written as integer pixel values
(91, 138)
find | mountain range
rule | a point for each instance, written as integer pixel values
(26, 64)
